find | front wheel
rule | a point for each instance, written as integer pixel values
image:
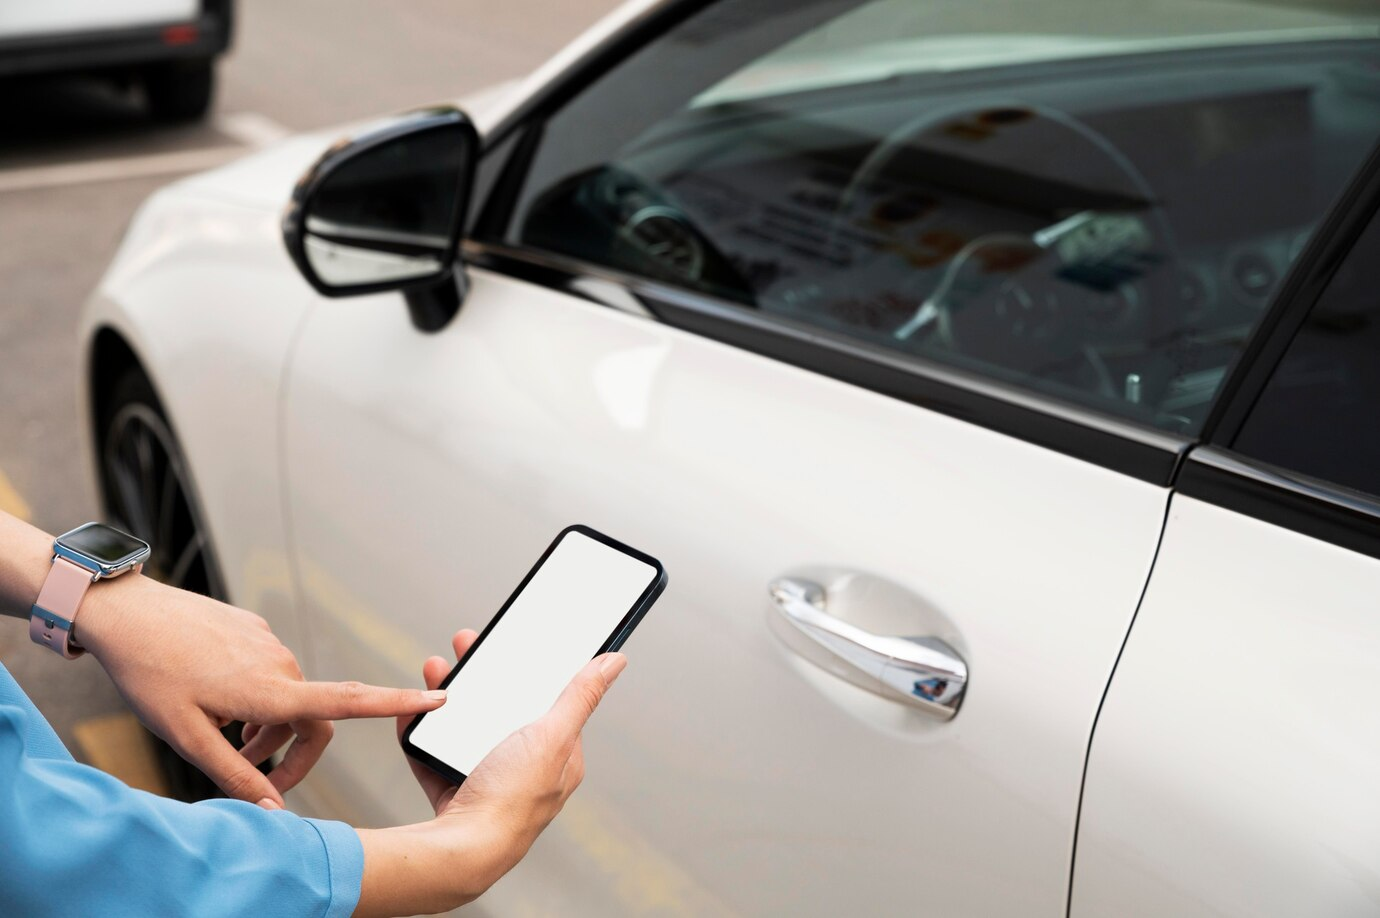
(180, 90)
(147, 492)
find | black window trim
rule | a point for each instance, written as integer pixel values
(597, 61)
(1299, 503)
(1142, 452)
(1214, 473)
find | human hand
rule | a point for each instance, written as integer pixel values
(542, 761)
(188, 665)
(485, 826)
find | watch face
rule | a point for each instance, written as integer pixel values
(103, 544)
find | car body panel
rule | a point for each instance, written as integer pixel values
(1233, 769)
(427, 472)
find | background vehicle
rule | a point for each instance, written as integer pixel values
(969, 318)
(167, 47)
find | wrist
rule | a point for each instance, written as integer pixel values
(425, 868)
(111, 607)
(105, 608)
(474, 853)
(28, 558)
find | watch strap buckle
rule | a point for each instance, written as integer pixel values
(52, 615)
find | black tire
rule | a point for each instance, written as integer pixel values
(146, 491)
(179, 91)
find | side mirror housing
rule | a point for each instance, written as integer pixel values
(383, 211)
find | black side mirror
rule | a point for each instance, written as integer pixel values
(383, 211)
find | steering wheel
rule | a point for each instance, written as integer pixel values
(649, 232)
(1030, 301)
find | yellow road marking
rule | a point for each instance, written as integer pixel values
(11, 502)
(118, 745)
(395, 647)
(645, 881)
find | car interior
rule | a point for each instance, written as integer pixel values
(1105, 228)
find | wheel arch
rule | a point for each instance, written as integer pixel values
(110, 357)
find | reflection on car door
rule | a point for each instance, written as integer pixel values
(726, 775)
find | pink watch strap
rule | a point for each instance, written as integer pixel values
(53, 614)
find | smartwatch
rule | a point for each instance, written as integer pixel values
(80, 558)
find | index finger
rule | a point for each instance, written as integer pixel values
(345, 700)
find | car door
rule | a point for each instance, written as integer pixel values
(794, 336)
(1233, 768)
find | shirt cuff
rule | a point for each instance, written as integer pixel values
(345, 863)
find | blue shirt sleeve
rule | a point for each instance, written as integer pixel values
(75, 841)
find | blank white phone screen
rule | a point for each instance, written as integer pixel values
(562, 617)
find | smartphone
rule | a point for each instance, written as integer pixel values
(583, 597)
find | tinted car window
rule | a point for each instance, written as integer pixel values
(1095, 201)
(1320, 412)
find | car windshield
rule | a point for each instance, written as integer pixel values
(1095, 200)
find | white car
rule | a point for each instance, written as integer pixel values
(167, 47)
(1043, 338)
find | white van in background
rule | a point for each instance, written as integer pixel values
(168, 47)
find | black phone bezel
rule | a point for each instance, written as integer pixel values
(615, 640)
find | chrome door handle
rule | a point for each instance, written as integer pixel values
(924, 671)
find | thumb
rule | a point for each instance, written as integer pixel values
(204, 746)
(434, 672)
(572, 710)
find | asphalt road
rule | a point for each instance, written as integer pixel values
(77, 158)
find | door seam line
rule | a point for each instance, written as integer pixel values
(1106, 689)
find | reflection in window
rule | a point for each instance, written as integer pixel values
(1098, 206)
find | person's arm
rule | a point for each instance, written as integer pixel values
(76, 841)
(483, 828)
(26, 554)
(188, 665)
(480, 831)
